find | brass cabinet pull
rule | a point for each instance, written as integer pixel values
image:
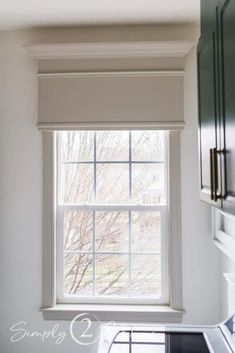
(223, 188)
(215, 174)
(211, 174)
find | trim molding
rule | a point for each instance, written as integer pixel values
(148, 49)
(176, 125)
(174, 223)
(120, 313)
(147, 73)
(49, 244)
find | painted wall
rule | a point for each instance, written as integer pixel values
(21, 194)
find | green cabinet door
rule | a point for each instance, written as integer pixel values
(227, 42)
(208, 119)
(208, 15)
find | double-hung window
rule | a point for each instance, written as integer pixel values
(111, 183)
(112, 203)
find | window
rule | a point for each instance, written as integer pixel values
(112, 216)
(132, 193)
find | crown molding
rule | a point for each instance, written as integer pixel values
(148, 49)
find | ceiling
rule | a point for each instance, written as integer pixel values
(33, 13)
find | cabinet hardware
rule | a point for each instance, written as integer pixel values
(215, 173)
(215, 152)
(222, 153)
(211, 174)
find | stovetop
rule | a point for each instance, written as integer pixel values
(134, 338)
(132, 341)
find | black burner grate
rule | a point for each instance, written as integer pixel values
(138, 341)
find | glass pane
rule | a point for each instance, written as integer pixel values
(112, 231)
(146, 231)
(112, 145)
(147, 145)
(78, 275)
(112, 275)
(77, 183)
(148, 183)
(145, 276)
(112, 183)
(77, 145)
(78, 231)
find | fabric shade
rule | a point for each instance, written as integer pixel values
(109, 100)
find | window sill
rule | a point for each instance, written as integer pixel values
(121, 313)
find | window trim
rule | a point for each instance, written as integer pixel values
(49, 298)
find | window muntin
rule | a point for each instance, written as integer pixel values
(111, 212)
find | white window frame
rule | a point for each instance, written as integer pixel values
(162, 209)
(173, 309)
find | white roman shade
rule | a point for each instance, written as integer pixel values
(104, 100)
(151, 96)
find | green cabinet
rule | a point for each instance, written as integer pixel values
(227, 94)
(208, 14)
(208, 118)
(216, 96)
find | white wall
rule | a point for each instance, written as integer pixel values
(20, 206)
(20, 212)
